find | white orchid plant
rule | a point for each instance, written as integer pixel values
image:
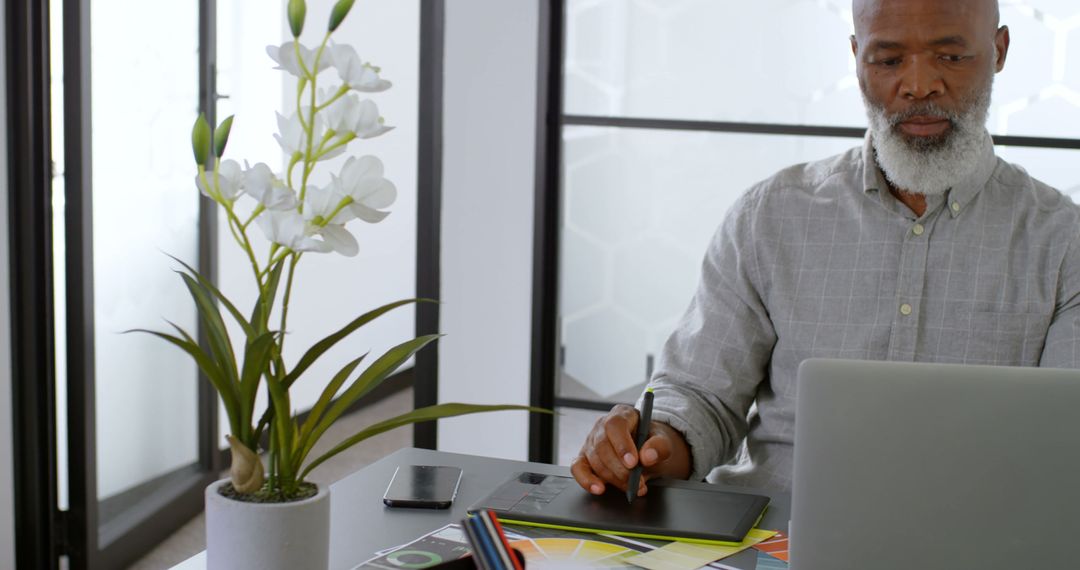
(297, 217)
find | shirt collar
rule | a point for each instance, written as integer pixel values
(958, 197)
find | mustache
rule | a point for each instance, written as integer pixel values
(925, 109)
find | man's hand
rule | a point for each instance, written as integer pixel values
(609, 453)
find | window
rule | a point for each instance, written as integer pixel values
(671, 110)
(117, 436)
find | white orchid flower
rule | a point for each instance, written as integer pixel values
(362, 180)
(340, 115)
(319, 205)
(351, 115)
(340, 239)
(354, 72)
(269, 190)
(292, 136)
(288, 228)
(285, 56)
(368, 122)
(230, 180)
(321, 202)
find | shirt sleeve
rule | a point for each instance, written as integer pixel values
(710, 368)
(1062, 346)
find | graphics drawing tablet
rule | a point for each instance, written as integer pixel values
(672, 510)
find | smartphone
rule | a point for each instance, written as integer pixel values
(423, 486)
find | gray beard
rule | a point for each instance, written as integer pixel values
(929, 166)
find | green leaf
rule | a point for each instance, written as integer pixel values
(327, 343)
(260, 316)
(281, 430)
(327, 396)
(297, 9)
(367, 381)
(216, 333)
(221, 136)
(200, 140)
(257, 354)
(435, 412)
(206, 283)
(341, 9)
(208, 367)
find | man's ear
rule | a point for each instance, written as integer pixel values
(1001, 43)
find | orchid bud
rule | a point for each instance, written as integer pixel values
(200, 139)
(341, 9)
(221, 136)
(297, 9)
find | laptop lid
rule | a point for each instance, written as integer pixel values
(905, 465)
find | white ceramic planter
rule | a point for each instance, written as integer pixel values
(267, 536)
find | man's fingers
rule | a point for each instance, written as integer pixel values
(583, 474)
(620, 434)
(609, 452)
(656, 450)
(605, 464)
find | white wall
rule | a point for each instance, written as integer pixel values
(489, 114)
(7, 507)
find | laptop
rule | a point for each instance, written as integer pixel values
(935, 466)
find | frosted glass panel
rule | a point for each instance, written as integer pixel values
(789, 61)
(145, 98)
(640, 208)
(1055, 167)
(572, 425)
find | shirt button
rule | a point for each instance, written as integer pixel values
(905, 309)
(956, 206)
(918, 229)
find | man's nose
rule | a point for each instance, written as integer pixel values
(921, 79)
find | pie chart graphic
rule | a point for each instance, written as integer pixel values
(541, 553)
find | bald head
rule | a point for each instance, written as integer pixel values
(865, 11)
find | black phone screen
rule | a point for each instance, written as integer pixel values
(423, 486)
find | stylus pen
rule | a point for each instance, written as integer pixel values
(642, 434)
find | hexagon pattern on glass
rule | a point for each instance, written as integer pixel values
(641, 205)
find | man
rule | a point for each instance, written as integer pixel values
(919, 246)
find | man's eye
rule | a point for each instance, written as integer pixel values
(890, 62)
(954, 58)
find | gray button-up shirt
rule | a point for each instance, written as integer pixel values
(821, 260)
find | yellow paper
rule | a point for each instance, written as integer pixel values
(687, 556)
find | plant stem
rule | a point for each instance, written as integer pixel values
(254, 214)
(337, 144)
(292, 163)
(271, 478)
(300, 97)
(274, 260)
(340, 93)
(310, 131)
(285, 299)
(344, 202)
(326, 138)
(237, 229)
(245, 243)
